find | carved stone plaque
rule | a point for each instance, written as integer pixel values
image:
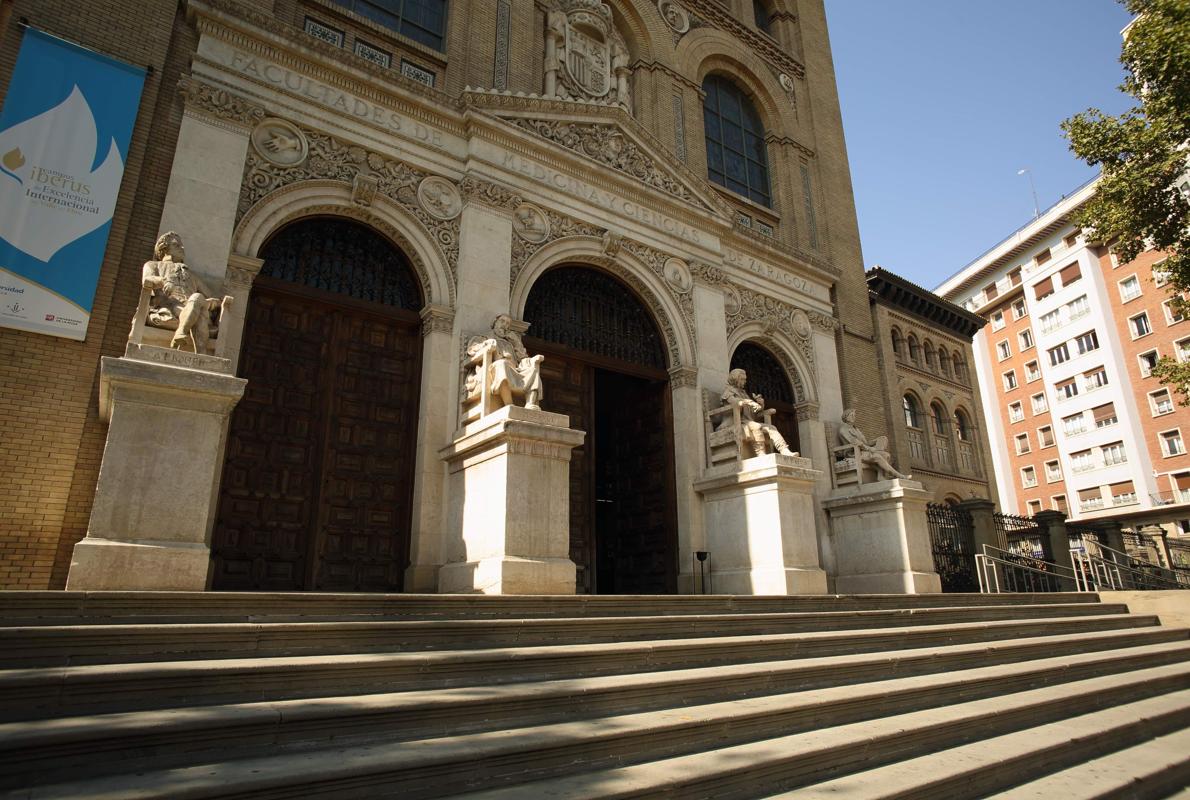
(439, 198)
(674, 15)
(280, 142)
(800, 323)
(531, 223)
(731, 300)
(678, 275)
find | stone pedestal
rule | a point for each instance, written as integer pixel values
(154, 505)
(881, 539)
(508, 521)
(760, 531)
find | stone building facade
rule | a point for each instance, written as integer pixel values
(933, 397)
(655, 192)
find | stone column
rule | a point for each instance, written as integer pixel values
(436, 408)
(983, 523)
(154, 506)
(689, 456)
(881, 539)
(814, 443)
(1110, 533)
(241, 272)
(760, 526)
(509, 517)
(1053, 525)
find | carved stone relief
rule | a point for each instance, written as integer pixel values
(369, 174)
(531, 223)
(279, 142)
(219, 104)
(439, 198)
(586, 58)
(800, 323)
(677, 274)
(675, 16)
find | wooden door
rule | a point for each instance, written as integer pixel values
(317, 480)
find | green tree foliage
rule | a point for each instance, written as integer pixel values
(1145, 153)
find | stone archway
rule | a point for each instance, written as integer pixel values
(768, 378)
(317, 481)
(606, 369)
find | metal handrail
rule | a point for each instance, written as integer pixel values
(1107, 574)
(989, 575)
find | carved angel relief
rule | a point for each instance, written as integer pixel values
(586, 58)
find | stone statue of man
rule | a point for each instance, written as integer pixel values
(874, 452)
(179, 301)
(513, 373)
(758, 433)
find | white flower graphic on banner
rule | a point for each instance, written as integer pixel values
(49, 197)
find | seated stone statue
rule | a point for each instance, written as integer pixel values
(874, 452)
(178, 300)
(758, 433)
(512, 374)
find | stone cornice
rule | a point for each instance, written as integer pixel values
(766, 47)
(766, 247)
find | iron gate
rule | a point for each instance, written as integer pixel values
(952, 537)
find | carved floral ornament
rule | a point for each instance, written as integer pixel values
(433, 201)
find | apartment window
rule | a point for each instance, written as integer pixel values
(1087, 342)
(1074, 424)
(1070, 274)
(1059, 503)
(1140, 325)
(1082, 461)
(1053, 471)
(1160, 402)
(1033, 369)
(1018, 307)
(1028, 477)
(997, 320)
(1129, 288)
(1114, 453)
(1058, 354)
(1003, 351)
(1066, 389)
(1115, 259)
(1160, 274)
(1015, 412)
(1173, 313)
(1034, 507)
(1042, 257)
(1022, 443)
(1071, 239)
(1045, 436)
(1149, 360)
(1078, 307)
(1090, 499)
(1104, 415)
(1095, 379)
(1171, 443)
(1014, 277)
(1010, 380)
(991, 292)
(1043, 288)
(1182, 349)
(1025, 339)
(423, 21)
(1051, 321)
(1039, 403)
(1123, 493)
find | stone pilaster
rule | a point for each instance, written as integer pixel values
(689, 455)
(241, 272)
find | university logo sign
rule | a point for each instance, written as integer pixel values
(64, 135)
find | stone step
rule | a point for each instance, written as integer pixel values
(45, 692)
(118, 742)
(870, 723)
(1071, 750)
(97, 644)
(81, 608)
(792, 762)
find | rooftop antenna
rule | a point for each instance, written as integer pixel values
(1033, 189)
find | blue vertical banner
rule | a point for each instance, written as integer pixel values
(64, 135)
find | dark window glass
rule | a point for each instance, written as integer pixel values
(736, 156)
(763, 20)
(423, 21)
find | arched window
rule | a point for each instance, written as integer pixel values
(931, 356)
(944, 361)
(912, 411)
(736, 155)
(914, 349)
(960, 369)
(962, 425)
(764, 20)
(898, 343)
(938, 413)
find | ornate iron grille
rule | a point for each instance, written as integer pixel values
(952, 537)
(1179, 553)
(343, 257)
(765, 374)
(1023, 537)
(593, 312)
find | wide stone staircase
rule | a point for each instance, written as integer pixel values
(176, 695)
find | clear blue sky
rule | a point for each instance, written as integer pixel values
(944, 100)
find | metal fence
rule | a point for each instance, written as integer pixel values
(1023, 536)
(1179, 559)
(952, 537)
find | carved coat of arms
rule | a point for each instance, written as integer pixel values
(586, 57)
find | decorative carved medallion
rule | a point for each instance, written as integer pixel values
(800, 323)
(607, 145)
(280, 143)
(678, 275)
(732, 303)
(531, 223)
(674, 15)
(786, 82)
(439, 198)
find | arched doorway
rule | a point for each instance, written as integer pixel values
(317, 481)
(605, 368)
(767, 378)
